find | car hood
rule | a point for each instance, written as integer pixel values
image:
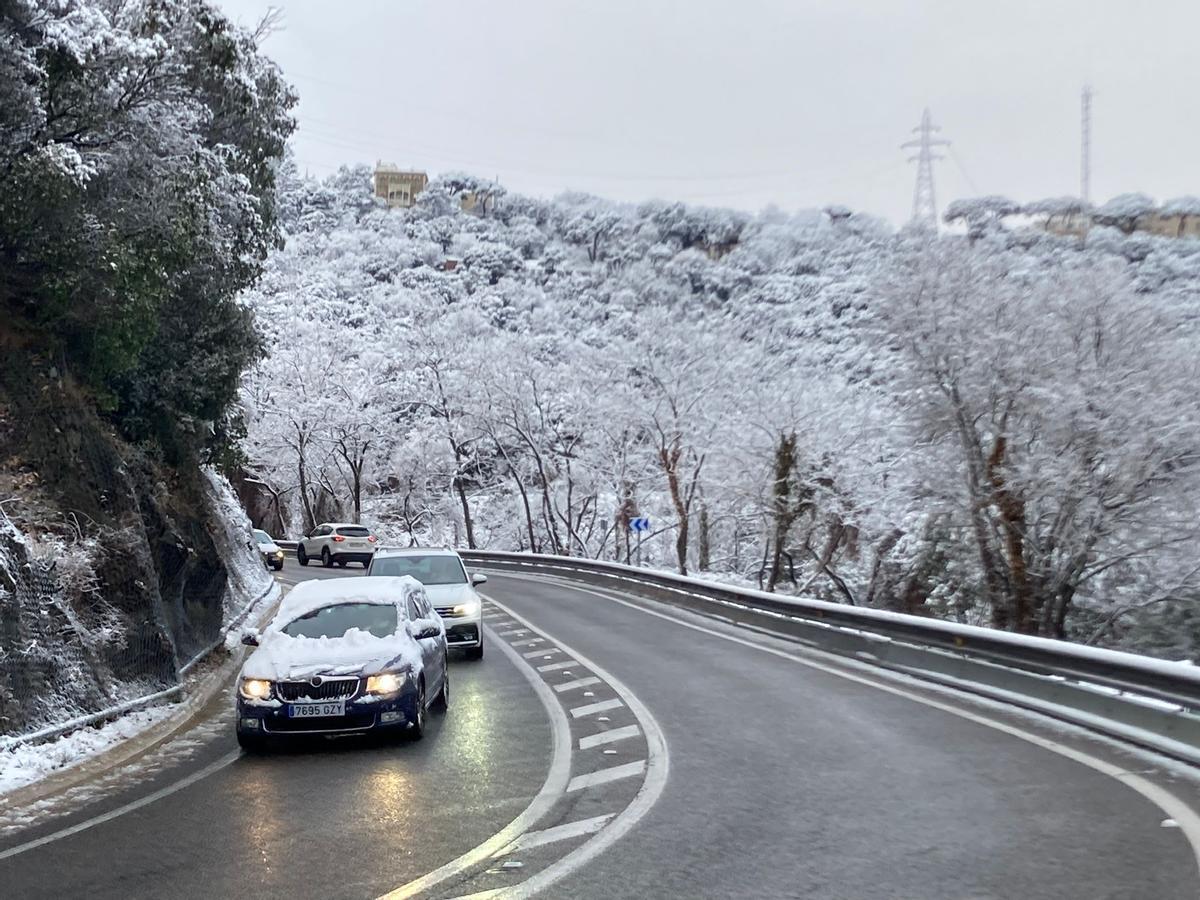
(284, 658)
(450, 594)
(269, 547)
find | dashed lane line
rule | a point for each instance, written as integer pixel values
(576, 684)
(657, 769)
(592, 708)
(554, 667)
(563, 832)
(552, 790)
(604, 776)
(608, 737)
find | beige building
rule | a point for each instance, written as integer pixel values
(399, 187)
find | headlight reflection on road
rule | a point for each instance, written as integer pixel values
(261, 819)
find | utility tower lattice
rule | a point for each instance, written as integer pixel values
(1085, 160)
(924, 197)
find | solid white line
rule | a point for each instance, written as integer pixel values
(1188, 819)
(554, 667)
(576, 684)
(604, 776)
(552, 790)
(559, 833)
(528, 641)
(544, 652)
(592, 708)
(128, 807)
(608, 737)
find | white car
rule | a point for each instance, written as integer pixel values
(450, 590)
(337, 542)
(344, 655)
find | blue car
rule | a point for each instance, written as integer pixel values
(344, 656)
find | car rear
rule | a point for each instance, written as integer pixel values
(352, 543)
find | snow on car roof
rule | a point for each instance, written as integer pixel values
(310, 595)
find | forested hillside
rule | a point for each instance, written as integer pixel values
(138, 149)
(996, 426)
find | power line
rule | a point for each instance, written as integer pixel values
(924, 198)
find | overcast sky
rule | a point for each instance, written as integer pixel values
(749, 102)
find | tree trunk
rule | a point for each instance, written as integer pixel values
(466, 508)
(1012, 520)
(782, 510)
(703, 549)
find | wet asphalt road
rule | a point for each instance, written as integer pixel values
(785, 782)
(342, 818)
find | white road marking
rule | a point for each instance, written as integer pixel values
(593, 708)
(576, 684)
(604, 776)
(512, 633)
(657, 769)
(609, 737)
(1188, 819)
(559, 833)
(528, 642)
(552, 790)
(554, 667)
(545, 653)
(128, 807)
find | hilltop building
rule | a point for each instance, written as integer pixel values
(399, 187)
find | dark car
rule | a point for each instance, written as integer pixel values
(272, 553)
(344, 656)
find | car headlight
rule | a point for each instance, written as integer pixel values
(279, 554)
(466, 609)
(255, 688)
(385, 683)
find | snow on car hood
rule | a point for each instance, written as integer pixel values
(449, 594)
(281, 657)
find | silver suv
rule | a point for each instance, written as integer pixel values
(337, 542)
(448, 587)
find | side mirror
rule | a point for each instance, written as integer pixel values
(423, 629)
(478, 578)
(251, 637)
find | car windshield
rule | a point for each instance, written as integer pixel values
(334, 621)
(354, 531)
(426, 568)
(262, 537)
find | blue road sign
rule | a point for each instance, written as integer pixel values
(639, 524)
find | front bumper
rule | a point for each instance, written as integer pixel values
(270, 718)
(463, 632)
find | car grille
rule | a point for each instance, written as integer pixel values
(328, 689)
(359, 722)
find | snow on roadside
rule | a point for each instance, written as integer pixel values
(27, 763)
(249, 584)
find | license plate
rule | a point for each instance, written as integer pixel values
(316, 710)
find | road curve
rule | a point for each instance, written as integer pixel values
(785, 781)
(791, 782)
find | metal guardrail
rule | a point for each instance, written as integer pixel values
(105, 715)
(1153, 703)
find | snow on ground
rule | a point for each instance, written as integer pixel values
(26, 763)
